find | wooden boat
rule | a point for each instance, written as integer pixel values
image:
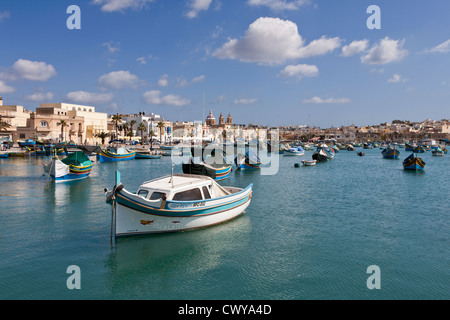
(3, 155)
(146, 154)
(294, 151)
(327, 150)
(218, 172)
(350, 148)
(27, 143)
(413, 163)
(76, 166)
(320, 156)
(418, 149)
(361, 154)
(438, 152)
(249, 161)
(175, 203)
(390, 153)
(309, 163)
(115, 154)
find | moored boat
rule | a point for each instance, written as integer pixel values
(390, 153)
(294, 151)
(249, 161)
(115, 154)
(413, 163)
(146, 154)
(27, 143)
(76, 166)
(438, 152)
(218, 172)
(320, 156)
(361, 154)
(309, 163)
(175, 203)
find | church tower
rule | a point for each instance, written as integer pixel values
(221, 119)
(229, 119)
(210, 120)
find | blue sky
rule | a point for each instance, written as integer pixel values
(270, 62)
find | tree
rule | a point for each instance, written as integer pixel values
(142, 128)
(161, 128)
(125, 127)
(4, 125)
(132, 123)
(116, 119)
(130, 134)
(102, 135)
(151, 134)
(63, 124)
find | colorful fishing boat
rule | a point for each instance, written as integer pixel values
(216, 171)
(409, 147)
(27, 143)
(390, 153)
(76, 166)
(115, 154)
(294, 151)
(419, 149)
(175, 203)
(249, 161)
(413, 163)
(146, 154)
(3, 155)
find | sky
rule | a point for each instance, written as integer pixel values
(268, 62)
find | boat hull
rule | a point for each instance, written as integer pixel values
(390, 153)
(415, 163)
(106, 156)
(71, 177)
(147, 156)
(135, 218)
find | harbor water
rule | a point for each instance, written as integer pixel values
(309, 233)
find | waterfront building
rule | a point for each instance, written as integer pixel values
(15, 116)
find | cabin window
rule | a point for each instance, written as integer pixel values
(157, 195)
(206, 193)
(189, 195)
(143, 193)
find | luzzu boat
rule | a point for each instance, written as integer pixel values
(438, 152)
(390, 153)
(76, 166)
(413, 163)
(250, 161)
(216, 171)
(115, 154)
(175, 203)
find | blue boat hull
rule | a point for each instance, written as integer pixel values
(108, 157)
(71, 177)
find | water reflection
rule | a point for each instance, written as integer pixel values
(166, 260)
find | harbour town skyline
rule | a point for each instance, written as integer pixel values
(274, 63)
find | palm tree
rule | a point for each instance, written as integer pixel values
(125, 128)
(151, 134)
(116, 120)
(142, 128)
(63, 124)
(130, 134)
(161, 127)
(3, 124)
(132, 123)
(102, 135)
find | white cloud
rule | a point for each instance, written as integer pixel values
(386, 51)
(299, 71)
(121, 5)
(84, 97)
(279, 5)
(163, 80)
(318, 100)
(4, 15)
(29, 70)
(4, 88)
(273, 41)
(185, 83)
(118, 80)
(220, 99)
(196, 6)
(112, 46)
(141, 60)
(40, 96)
(354, 48)
(441, 48)
(154, 97)
(396, 78)
(245, 101)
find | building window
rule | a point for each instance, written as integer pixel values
(44, 124)
(22, 136)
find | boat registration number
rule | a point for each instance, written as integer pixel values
(187, 205)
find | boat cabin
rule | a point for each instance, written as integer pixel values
(184, 187)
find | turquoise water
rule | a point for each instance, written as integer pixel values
(309, 233)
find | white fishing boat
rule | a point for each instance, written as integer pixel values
(294, 151)
(174, 203)
(308, 163)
